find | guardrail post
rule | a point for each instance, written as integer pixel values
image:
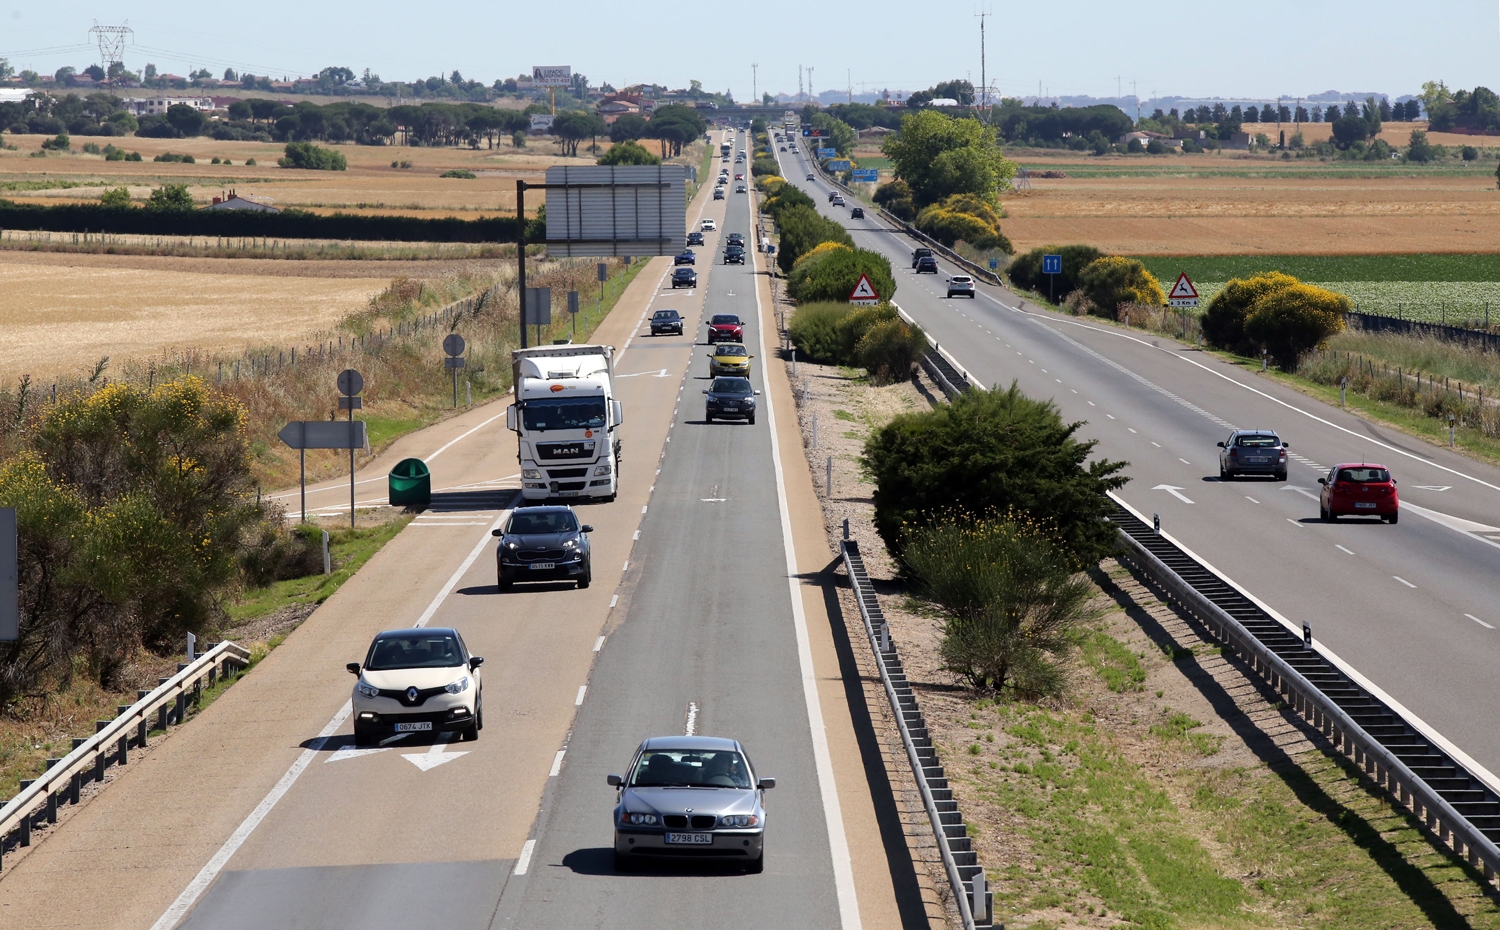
(25, 838)
(124, 748)
(179, 708)
(73, 785)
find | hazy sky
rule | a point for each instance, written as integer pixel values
(1172, 47)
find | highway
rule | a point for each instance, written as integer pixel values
(1411, 607)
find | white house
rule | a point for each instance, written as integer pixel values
(151, 106)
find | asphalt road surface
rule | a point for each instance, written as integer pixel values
(1411, 607)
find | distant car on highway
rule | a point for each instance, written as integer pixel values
(832, 195)
(740, 189)
(1359, 490)
(729, 360)
(546, 543)
(666, 321)
(685, 257)
(1253, 452)
(730, 399)
(919, 254)
(858, 213)
(734, 255)
(725, 327)
(690, 796)
(694, 238)
(961, 285)
(740, 176)
(927, 265)
(718, 193)
(684, 276)
(783, 148)
(735, 238)
(417, 681)
(810, 177)
(707, 225)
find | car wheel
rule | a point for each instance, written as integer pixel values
(708, 418)
(362, 736)
(479, 713)
(501, 583)
(1281, 476)
(587, 579)
(757, 865)
(1223, 475)
(1395, 516)
(752, 419)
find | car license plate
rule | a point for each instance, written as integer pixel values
(414, 727)
(1363, 505)
(537, 566)
(1258, 461)
(691, 839)
(730, 408)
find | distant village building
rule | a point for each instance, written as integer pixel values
(234, 201)
(151, 106)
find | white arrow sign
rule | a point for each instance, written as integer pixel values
(1175, 492)
(353, 752)
(1432, 487)
(636, 374)
(432, 758)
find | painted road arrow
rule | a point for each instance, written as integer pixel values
(1175, 492)
(432, 758)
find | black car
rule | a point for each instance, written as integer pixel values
(918, 254)
(735, 239)
(858, 213)
(730, 399)
(832, 196)
(927, 265)
(695, 238)
(543, 544)
(718, 193)
(734, 256)
(685, 258)
(740, 189)
(666, 321)
(684, 276)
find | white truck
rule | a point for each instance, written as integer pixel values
(566, 416)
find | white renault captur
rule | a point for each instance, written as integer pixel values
(418, 681)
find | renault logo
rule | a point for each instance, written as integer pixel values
(411, 695)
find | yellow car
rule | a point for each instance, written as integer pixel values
(729, 360)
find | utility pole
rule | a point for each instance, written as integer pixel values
(1119, 91)
(754, 82)
(800, 98)
(1137, 100)
(984, 92)
(812, 97)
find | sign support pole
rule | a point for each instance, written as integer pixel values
(302, 454)
(351, 467)
(521, 255)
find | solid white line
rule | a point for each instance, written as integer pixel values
(1479, 621)
(525, 861)
(637, 535)
(582, 690)
(1130, 429)
(1337, 546)
(627, 566)
(1251, 499)
(838, 843)
(614, 599)
(1403, 581)
(598, 644)
(644, 506)
(557, 763)
(1156, 444)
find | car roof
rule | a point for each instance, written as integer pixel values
(1359, 465)
(1255, 432)
(710, 743)
(384, 634)
(544, 508)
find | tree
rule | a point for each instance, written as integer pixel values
(230, 77)
(628, 152)
(170, 198)
(1114, 280)
(573, 126)
(1251, 114)
(1293, 320)
(767, 100)
(1300, 115)
(1348, 130)
(1418, 149)
(939, 156)
(6, 71)
(150, 71)
(240, 110)
(1224, 319)
(64, 74)
(1331, 113)
(1025, 271)
(115, 197)
(187, 120)
(580, 86)
(1371, 111)
(307, 155)
(676, 125)
(629, 126)
(95, 72)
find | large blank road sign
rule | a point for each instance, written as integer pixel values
(616, 209)
(324, 434)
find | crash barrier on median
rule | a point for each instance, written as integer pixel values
(940, 366)
(410, 484)
(965, 876)
(39, 798)
(972, 268)
(1403, 759)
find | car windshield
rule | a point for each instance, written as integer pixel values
(725, 319)
(1258, 442)
(549, 521)
(960, 279)
(664, 315)
(547, 413)
(732, 386)
(690, 768)
(1365, 474)
(414, 650)
(731, 349)
(686, 273)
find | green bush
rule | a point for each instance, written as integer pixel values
(170, 198)
(895, 197)
(628, 152)
(1026, 271)
(1224, 320)
(764, 167)
(804, 229)
(784, 198)
(890, 350)
(1011, 597)
(175, 158)
(873, 338)
(992, 452)
(834, 274)
(317, 158)
(58, 143)
(1113, 280)
(116, 197)
(967, 218)
(814, 331)
(1292, 320)
(460, 174)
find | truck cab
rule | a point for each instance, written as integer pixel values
(566, 418)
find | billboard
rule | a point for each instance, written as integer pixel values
(616, 209)
(552, 75)
(541, 122)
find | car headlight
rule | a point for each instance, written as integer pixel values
(458, 687)
(512, 546)
(638, 819)
(603, 469)
(367, 689)
(530, 473)
(739, 821)
(570, 544)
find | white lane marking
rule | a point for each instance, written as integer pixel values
(691, 729)
(582, 690)
(524, 862)
(1070, 389)
(557, 763)
(354, 752)
(1453, 523)
(1294, 522)
(1433, 487)
(1045, 371)
(1479, 621)
(1184, 461)
(627, 566)
(636, 535)
(1130, 429)
(447, 523)
(1175, 492)
(636, 374)
(599, 644)
(1251, 499)
(1156, 444)
(1342, 549)
(1110, 415)
(838, 842)
(1058, 380)
(1403, 581)
(432, 758)
(1092, 404)
(614, 599)
(215, 865)
(1305, 492)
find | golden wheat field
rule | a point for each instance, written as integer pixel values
(61, 317)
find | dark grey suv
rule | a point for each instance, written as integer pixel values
(730, 399)
(664, 322)
(543, 544)
(1253, 452)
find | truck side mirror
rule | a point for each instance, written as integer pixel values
(619, 412)
(510, 417)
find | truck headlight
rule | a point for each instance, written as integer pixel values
(603, 469)
(532, 473)
(367, 689)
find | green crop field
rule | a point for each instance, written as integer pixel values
(1167, 167)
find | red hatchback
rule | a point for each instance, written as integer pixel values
(725, 327)
(1359, 490)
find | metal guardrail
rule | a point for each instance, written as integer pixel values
(973, 268)
(1457, 807)
(965, 875)
(943, 368)
(39, 798)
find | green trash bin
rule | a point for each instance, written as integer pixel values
(411, 484)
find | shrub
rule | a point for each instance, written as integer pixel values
(1470, 153)
(895, 197)
(890, 350)
(92, 148)
(764, 167)
(1026, 271)
(833, 273)
(963, 217)
(851, 329)
(814, 331)
(1224, 320)
(460, 174)
(783, 198)
(58, 143)
(316, 158)
(1011, 596)
(174, 158)
(1156, 147)
(1113, 280)
(992, 451)
(249, 162)
(628, 152)
(802, 230)
(170, 198)
(116, 197)
(1292, 320)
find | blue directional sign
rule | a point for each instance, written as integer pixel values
(827, 153)
(1051, 264)
(994, 263)
(870, 175)
(838, 164)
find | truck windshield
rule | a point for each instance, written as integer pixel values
(551, 413)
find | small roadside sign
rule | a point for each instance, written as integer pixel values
(1183, 294)
(1051, 264)
(864, 293)
(839, 164)
(826, 153)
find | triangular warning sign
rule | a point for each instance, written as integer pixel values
(1183, 289)
(864, 292)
